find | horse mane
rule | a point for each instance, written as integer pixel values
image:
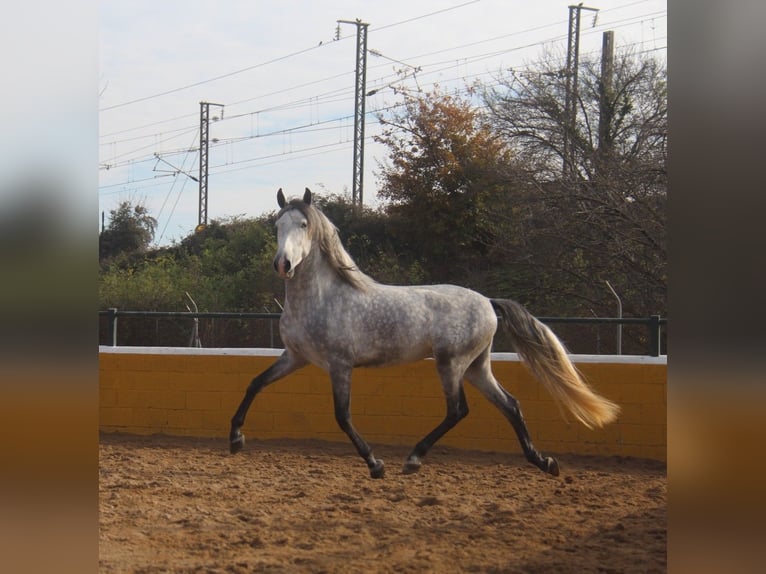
(328, 239)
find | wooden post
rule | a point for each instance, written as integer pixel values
(605, 103)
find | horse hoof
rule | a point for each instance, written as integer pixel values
(235, 445)
(378, 469)
(411, 466)
(551, 466)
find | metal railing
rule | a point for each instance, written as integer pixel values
(654, 323)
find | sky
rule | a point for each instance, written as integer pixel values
(284, 75)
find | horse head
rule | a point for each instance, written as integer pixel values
(293, 234)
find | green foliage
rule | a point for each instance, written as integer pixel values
(473, 196)
(130, 231)
(151, 285)
(226, 267)
(234, 257)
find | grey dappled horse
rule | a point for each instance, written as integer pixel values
(338, 318)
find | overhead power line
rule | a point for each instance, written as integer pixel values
(272, 61)
(315, 125)
(203, 82)
(612, 25)
(336, 95)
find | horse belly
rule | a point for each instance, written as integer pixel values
(386, 360)
(387, 349)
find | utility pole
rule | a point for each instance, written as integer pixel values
(570, 105)
(204, 125)
(604, 97)
(357, 188)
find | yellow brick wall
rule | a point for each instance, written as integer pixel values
(182, 393)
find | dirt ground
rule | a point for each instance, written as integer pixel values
(170, 504)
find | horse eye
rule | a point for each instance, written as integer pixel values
(304, 224)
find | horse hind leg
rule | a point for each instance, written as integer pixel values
(457, 409)
(479, 374)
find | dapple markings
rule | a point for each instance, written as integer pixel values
(338, 318)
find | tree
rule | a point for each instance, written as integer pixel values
(527, 108)
(604, 218)
(445, 169)
(130, 231)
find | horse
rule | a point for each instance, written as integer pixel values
(338, 318)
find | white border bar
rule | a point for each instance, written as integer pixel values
(240, 352)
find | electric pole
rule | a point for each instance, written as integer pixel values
(605, 95)
(570, 105)
(357, 193)
(204, 125)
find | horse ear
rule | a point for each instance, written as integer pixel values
(281, 198)
(307, 196)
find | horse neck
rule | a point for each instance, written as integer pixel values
(314, 281)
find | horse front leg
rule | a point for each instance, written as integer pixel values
(284, 365)
(341, 394)
(457, 409)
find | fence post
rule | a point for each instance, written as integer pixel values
(654, 336)
(112, 315)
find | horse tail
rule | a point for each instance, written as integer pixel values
(547, 358)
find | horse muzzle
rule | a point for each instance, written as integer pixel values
(283, 267)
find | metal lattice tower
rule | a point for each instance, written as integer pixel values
(570, 105)
(204, 128)
(357, 188)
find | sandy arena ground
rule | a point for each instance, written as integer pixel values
(171, 504)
